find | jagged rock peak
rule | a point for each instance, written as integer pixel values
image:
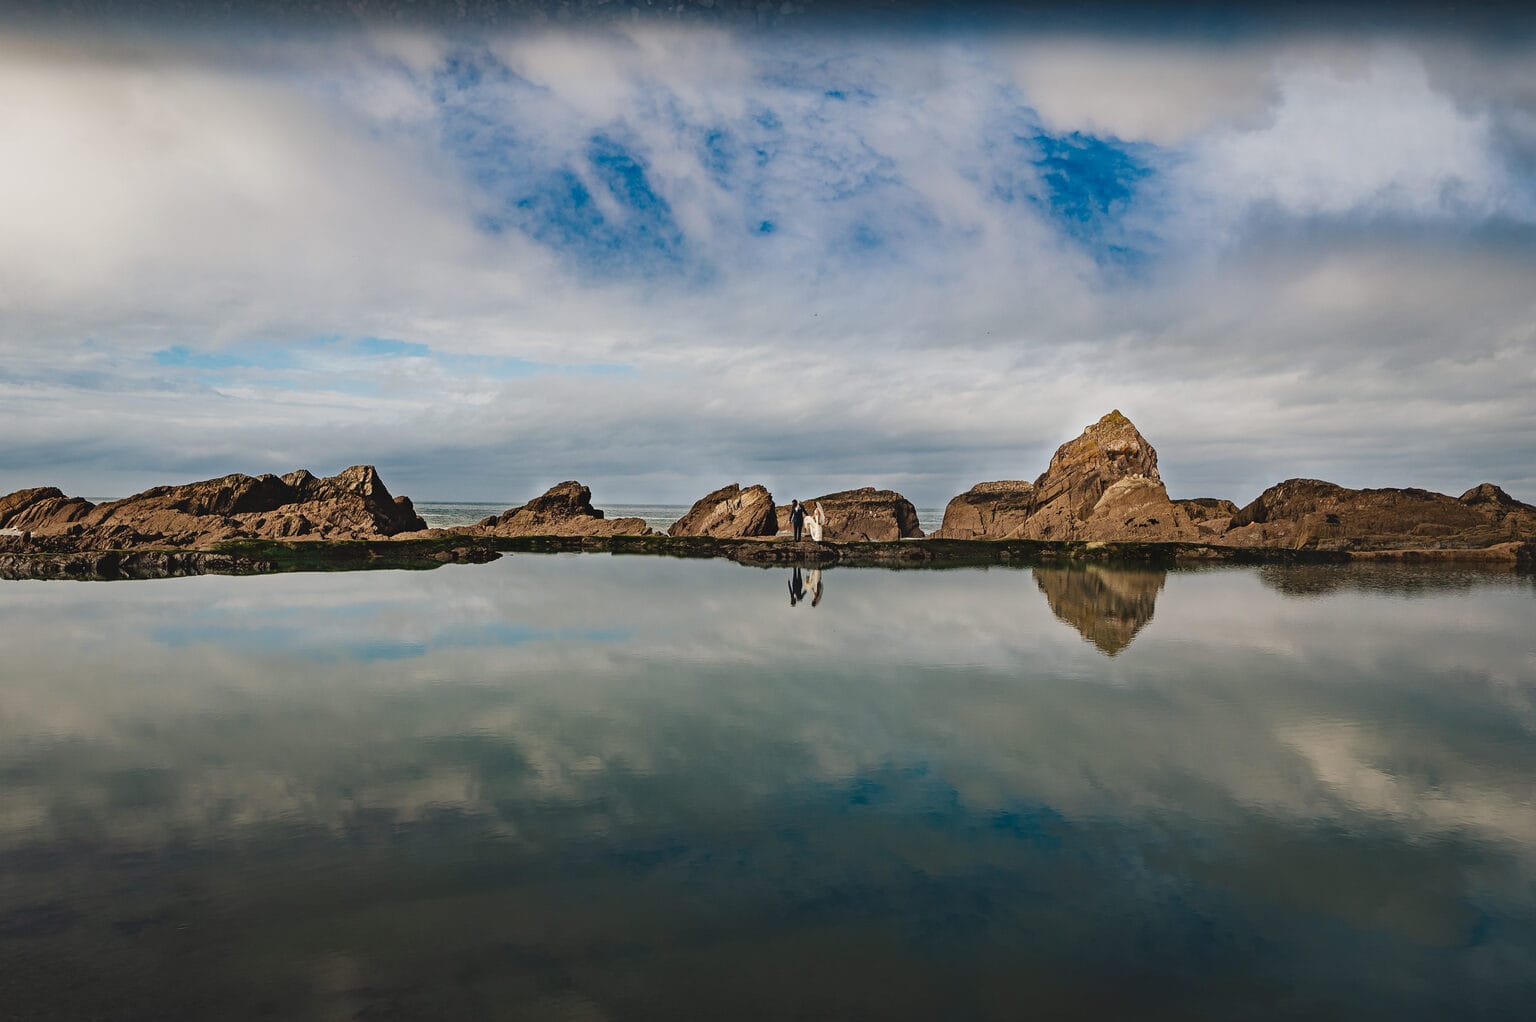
(1488, 493)
(1112, 447)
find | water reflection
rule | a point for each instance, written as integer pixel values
(632, 787)
(1107, 605)
(1398, 579)
(808, 586)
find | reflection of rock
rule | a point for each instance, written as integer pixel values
(1308, 580)
(862, 514)
(565, 509)
(353, 504)
(729, 513)
(1107, 605)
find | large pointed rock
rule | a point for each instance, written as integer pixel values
(730, 513)
(565, 509)
(1069, 490)
(1103, 485)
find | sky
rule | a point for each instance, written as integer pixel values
(491, 247)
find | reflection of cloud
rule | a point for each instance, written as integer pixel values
(932, 755)
(710, 687)
(1346, 762)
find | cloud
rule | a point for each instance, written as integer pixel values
(1371, 140)
(659, 259)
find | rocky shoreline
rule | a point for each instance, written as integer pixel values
(1101, 498)
(256, 557)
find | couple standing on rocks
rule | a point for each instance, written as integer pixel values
(800, 518)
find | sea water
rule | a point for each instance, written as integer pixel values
(590, 786)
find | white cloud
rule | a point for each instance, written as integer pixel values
(1325, 288)
(1376, 141)
(1139, 90)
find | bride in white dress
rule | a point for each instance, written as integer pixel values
(815, 521)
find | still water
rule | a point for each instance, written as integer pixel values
(594, 787)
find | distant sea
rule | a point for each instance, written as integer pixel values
(443, 513)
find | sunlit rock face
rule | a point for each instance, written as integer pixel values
(1107, 606)
(1103, 485)
(565, 509)
(1138, 508)
(354, 504)
(1068, 494)
(865, 514)
(988, 510)
(730, 513)
(1311, 513)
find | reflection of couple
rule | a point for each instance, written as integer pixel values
(813, 521)
(798, 587)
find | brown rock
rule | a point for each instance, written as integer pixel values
(1079, 473)
(1313, 514)
(1207, 509)
(730, 513)
(865, 514)
(563, 510)
(988, 510)
(1137, 509)
(354, 504)
(40, 507)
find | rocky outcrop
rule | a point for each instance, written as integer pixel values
(565, 509)
(1107, 608)
(1208, 509)
(865, 514)
(1069, 493)
(1103, 485)
(354, 504)
(41, 507)
(1313, 514)
(730, 513)
(988, 510)
(1137, 509)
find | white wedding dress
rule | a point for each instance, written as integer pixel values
(815, 521)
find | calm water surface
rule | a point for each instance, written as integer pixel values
(590, 787)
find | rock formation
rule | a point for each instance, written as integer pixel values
(730, 513)
(565, 509)
(352, 505)
(865, 514)
(1107, 606)
(1312, 514)
(988, 510)
(1103, 485)
(1070, 496)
